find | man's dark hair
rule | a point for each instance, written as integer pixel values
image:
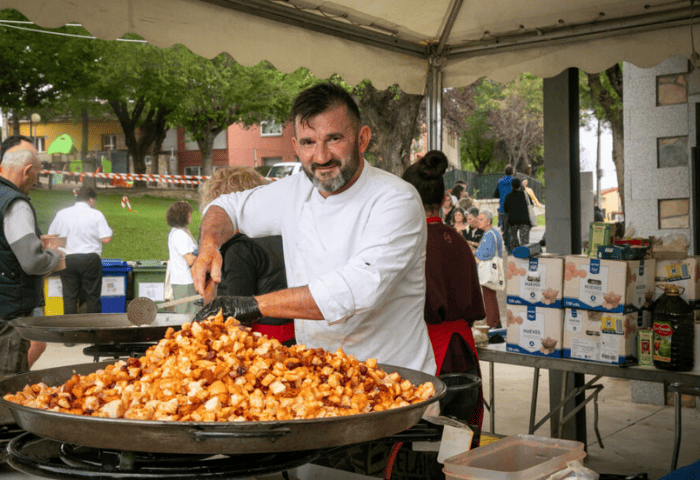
(86, 193)
(515, 183)
(509, 170)
(321, 98)
(12, 141)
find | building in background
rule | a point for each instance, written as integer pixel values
(611, 205)
(661, 123)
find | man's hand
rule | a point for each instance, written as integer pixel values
(206, 271)
(243, 309)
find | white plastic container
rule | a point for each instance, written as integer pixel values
(520, 457)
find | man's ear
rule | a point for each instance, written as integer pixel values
(364, 135)
(295, 144)
(26, 169)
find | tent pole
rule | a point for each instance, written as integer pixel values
(433, 103)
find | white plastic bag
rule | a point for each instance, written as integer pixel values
(574, 471)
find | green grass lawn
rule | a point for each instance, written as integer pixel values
(141, 234)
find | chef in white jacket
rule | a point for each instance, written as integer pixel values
(354, 241)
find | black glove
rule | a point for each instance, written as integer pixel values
(243, 309)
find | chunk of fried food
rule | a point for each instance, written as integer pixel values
(219, 371)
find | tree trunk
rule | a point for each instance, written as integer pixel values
(612, 106)
(206, 146)
(85, 120)
(152, 127)
(15, 123)
(392, 116)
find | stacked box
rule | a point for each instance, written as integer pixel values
(535, 281)
(534, 292)
(615, 286)
(600, 336)
(534, 330)
(685, 274)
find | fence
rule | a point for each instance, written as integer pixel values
(483, 185)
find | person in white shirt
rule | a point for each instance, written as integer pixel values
(182, 248)
(354, 241)
(86, 230)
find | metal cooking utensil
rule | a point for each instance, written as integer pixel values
(143, 310)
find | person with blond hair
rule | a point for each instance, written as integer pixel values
(227, 180)
(251, 266)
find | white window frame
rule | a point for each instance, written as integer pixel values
(270, 125)
(193, 170)
(112, 144)
(40, 143)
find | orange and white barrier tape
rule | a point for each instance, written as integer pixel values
(182, 179)
(125, 202)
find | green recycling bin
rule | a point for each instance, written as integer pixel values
(149, 279)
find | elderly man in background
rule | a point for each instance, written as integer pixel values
(85, 229)
(23, 259)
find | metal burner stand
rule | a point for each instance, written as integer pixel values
(45, 458)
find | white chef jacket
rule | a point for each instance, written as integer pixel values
(362, 254)
(180, 244)
(83, 226)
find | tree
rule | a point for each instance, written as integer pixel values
(605, 101)
(220, 92)
(392, 115)
(476, 143)
(38, 68)
(144, 85)
(516, 118)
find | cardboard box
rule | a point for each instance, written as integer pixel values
(534, 330)
(536, 281)
(616, 286)
(684, 273)
(600, 336)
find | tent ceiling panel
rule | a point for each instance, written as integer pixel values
(391, 41)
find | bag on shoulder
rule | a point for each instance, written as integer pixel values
(492, 273)
(531, 210)
(167, 287)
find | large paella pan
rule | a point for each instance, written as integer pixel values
(209, 437)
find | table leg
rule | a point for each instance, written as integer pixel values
(492, 394)
(533, 401)
(677, 439)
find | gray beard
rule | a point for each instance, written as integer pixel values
(331, 185)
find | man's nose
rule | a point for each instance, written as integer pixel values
(322, 153)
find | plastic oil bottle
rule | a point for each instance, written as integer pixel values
(674, 331)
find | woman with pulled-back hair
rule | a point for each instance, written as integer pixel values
(453, 294)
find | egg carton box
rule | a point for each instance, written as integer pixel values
(616, 286)
(684, 273)
(534, 330)
(600, 336)
(536, 281)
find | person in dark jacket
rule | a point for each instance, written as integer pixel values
(515, 208)
(251, 266)
(24, 260)
(453, 298)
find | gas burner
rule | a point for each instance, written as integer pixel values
(38, 456)
(7, 433)
(116, 350)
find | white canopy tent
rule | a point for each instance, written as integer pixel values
(419, 45)
(423, 46)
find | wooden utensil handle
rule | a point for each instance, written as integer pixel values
(172, 303)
